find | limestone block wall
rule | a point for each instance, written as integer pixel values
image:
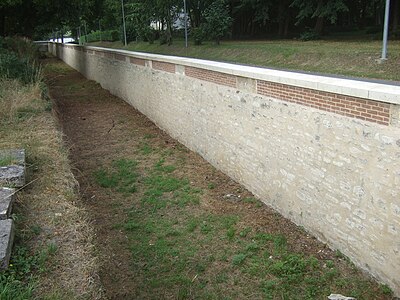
(324, 152)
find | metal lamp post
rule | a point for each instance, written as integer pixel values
(186, 29)
(123, 21)
(385, 31)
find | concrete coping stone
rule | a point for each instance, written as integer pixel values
(6, 241)
(376, 91)
(12, 174)
(6, 202)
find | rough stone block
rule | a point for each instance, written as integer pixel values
(12, 168)
(6, 241)
(6, 201)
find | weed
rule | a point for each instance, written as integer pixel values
(245, 232)
(211, 186)
(36, 229)
(238, 259)
(205, 227)
(165, 189)
(123, 178)
(52, 249)
(280, 243)
(131, 226)
(159, 166)
(386, 289)
(252, 247)
(7, 161)
(192, 225)
(329, 264)
(149, 136)
(17, 281)
(249, 200)
(145, 149)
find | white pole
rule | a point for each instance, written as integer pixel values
(186, 27)
(123, 21)
(385, 31)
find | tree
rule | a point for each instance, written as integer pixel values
(320, 10)
(217, 21)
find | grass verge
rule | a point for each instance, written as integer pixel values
(53, 255)
(347, 58)
(182, 249)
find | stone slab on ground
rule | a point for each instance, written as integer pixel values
(12, 168)
(6, 202)
(6, 241)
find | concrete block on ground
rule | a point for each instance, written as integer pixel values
(12, 168)
(6, 241)
(6, 202)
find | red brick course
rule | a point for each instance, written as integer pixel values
(120, 57)
(211, 76)
(163, 66)
(367, 110)
(137, 61)
(363, 109)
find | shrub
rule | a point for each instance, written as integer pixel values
(309, 35)
(13, 67)
(198, 35)
(131, 32)
(149, 34)
(19, 60)
(95, 36)
(23, 47)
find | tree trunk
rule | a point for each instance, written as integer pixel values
(319, 25)
(287, 23)
(169, 29)
(281, 19)
(2, 22)
(396, 15)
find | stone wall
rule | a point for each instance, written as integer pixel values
(324, 152)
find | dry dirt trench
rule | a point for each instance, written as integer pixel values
(99, 129)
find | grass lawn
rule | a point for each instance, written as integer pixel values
(348, 58)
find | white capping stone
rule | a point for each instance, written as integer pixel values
(13, 175)
(376, 91)
(6, 241)
(6, 202)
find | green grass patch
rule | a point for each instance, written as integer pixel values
(18, 282)
(122, 177)
(7, 161)
(145, 148)
(177, 248)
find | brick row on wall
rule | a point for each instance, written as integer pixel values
(211, 76)
(163, 66)
(359, 108)
(137, 61)
(363, 109)
(120, 57)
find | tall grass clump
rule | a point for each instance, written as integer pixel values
(19, 59)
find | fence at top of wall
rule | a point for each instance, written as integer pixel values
(323, 151)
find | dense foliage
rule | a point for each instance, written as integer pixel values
(19, 60)
(208, 19)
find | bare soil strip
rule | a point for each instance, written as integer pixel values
(170, 226)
